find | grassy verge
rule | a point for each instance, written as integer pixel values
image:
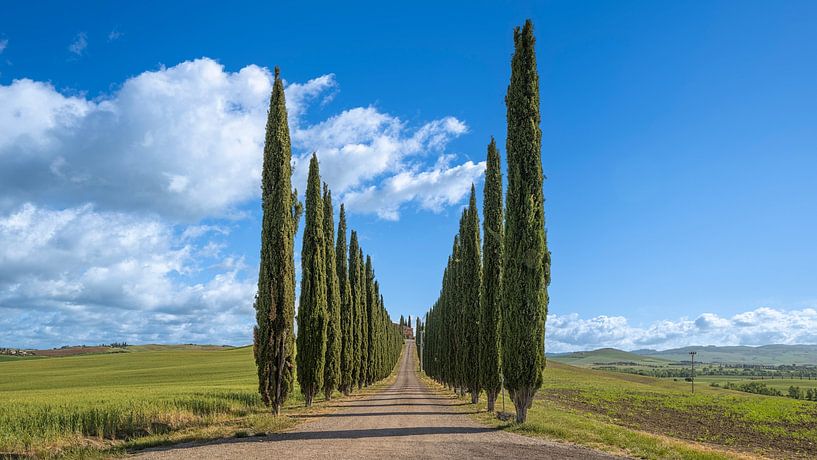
(110, 404)
(649, 418)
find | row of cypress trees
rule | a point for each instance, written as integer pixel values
(345, 336)
(488, 324)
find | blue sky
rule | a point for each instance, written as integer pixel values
(678, 139)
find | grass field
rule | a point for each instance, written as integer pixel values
(780, 384)
(113, 401)
(654, 418)
(98, 405)
(107, 403)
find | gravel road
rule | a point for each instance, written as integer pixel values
(404, 421)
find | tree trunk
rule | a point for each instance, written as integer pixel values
(491, 394)
(276, 409)
(475, 397)
(308, 396)
(523, 400)
(328, 395)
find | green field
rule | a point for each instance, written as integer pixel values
(647, 417)
(110, 402)
(780, 384)
(146, 396)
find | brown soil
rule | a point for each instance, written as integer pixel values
(71, 351)
(705, 424)
(405, 420)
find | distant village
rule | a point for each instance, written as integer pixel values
(15, 352)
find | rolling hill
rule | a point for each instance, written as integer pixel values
(763, 355)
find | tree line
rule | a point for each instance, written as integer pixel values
(345, 338)
(488, 323)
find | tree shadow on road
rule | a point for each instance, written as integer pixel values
(397, 404)
(386, 414)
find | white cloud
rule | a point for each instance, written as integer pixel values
(4, 43)
(79, 44)
(761, 326)
(185, 142)
(125, 238)
(433, 189)
(114, 34)
(82, 275)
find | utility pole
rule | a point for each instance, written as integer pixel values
(692, 354)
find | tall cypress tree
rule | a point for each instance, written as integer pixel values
(347, 354)
(452, 307)
(312, 305)
(491, 278)
(363, 320)
(470, 291)
(370, 329)
(354, 289)
(526, 261)
(378, 334)
(331, 378)
(273, 345)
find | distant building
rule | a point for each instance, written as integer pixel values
(408, 332)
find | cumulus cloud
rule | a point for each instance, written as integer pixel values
(125, 234)
(79, 44)
(432, 189)
(761, 326)
(185, 142)
(80, 275)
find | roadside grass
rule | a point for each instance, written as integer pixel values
(109, 404)
(651, 418)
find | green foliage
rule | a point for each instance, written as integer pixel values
(312, 305)
(347, 314)
(355, 284)
(369, 323)
(331, 379)
(275, 300)
(469, 293)
(450, 347)
(490, 371)
(526, 260)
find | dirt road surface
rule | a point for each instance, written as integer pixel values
(406, 420)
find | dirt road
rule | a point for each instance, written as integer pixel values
(404, 421)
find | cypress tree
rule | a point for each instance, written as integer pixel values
(347, 354)
(273, 345)
(370, 329)
(491, 278)
(331, 378)
(470, 292)
(526, 260)
(378, 333)
(354, 289)
(312, 306)
(453, 355)
(363, 320)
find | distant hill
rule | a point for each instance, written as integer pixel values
(762, 355)
(766, 355)
(607, 356)
(104, 349)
